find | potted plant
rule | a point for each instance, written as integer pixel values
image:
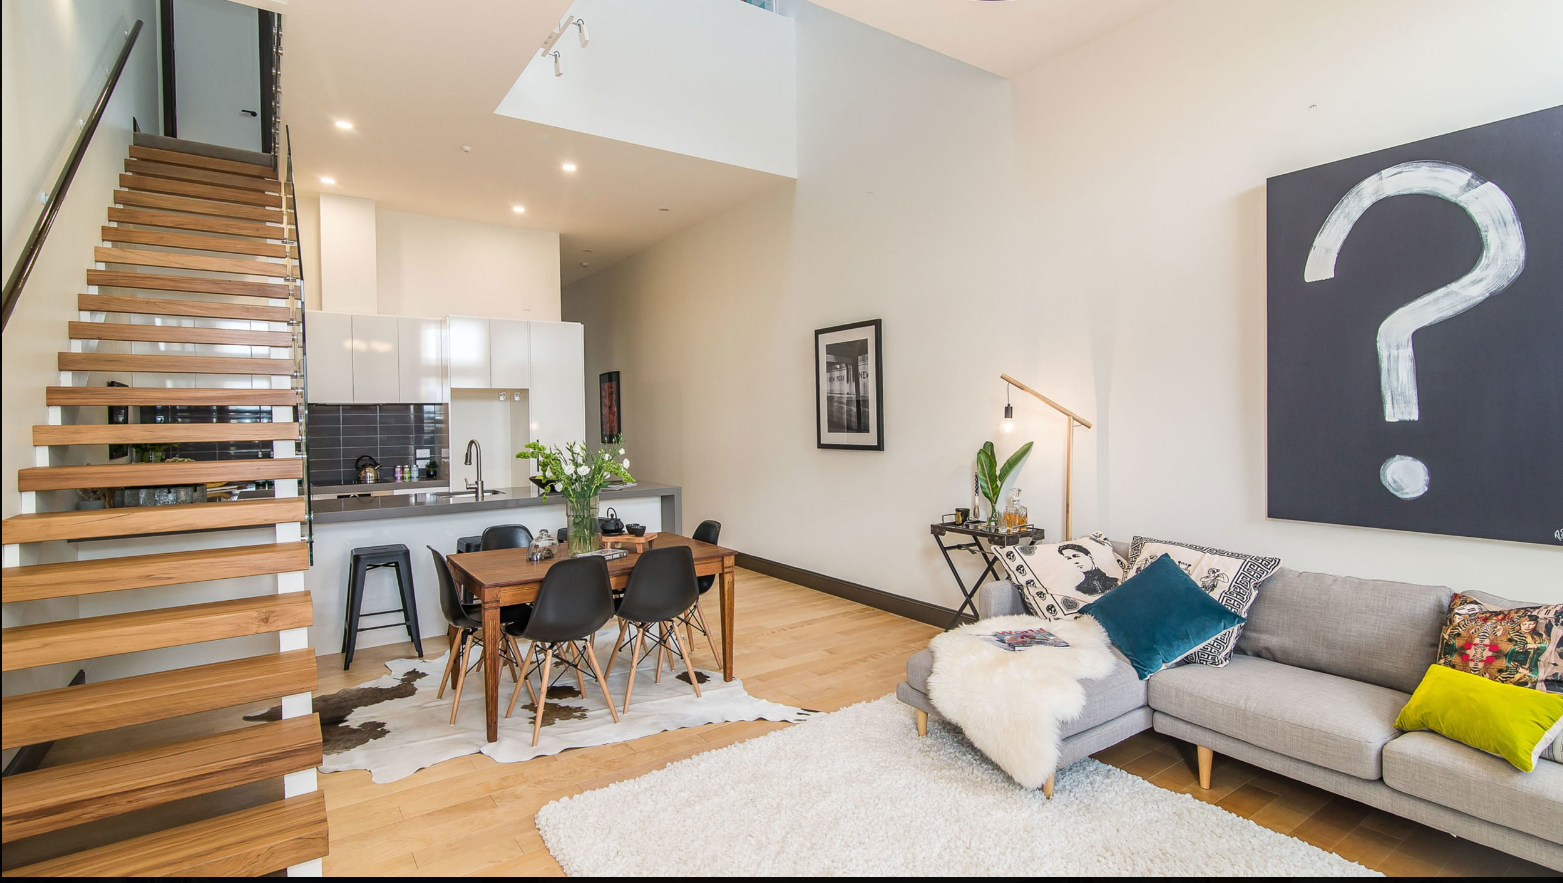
(993, 480)
(152, 453)
(578, 475)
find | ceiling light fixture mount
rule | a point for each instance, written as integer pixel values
(553, 39)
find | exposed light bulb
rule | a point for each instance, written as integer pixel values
(1009, 418)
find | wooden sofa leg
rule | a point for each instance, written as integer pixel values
(1047, 788)
(1206, 757)
(922, 722)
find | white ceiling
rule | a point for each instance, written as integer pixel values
(1004, 38)
(419, 81)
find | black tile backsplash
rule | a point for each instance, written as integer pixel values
(219, 414)
(392, 434)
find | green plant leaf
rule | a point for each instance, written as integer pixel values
(1015, 461)
(987, 475)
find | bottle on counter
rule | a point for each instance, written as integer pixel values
(398, 474)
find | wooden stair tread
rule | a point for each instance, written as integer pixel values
(186, 261)
(161, 433)
(59, 478)
(152, 169)
(233, 211)
(160, 364)
(196, 309)
(201, 284)
(197, 223)
(198, 241)
(112, 396)
(200, 190)
(195, 160)
(73, 640)
(77, 793)
(32, 718)
(84, 524)
(247, 843)
(92, 576)
(177, 334)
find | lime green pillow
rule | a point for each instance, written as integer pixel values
(1514, 723)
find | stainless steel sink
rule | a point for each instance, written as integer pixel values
(467, 493)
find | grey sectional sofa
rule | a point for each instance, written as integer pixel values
(1322, 668)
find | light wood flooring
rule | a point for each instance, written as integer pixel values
(473, 816)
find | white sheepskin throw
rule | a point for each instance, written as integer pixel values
(1012, 704)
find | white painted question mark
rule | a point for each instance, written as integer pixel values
(1502, 260)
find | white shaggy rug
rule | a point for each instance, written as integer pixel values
(857, 792)
(402, 734)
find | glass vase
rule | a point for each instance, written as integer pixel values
(585, 534)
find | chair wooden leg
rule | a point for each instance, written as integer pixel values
(510, 658)
(706, 629)
(617, 643)
(1047, 788)
(602, 682)
(662, 646)
(461, 679)
(634, 660)
(526, 671)
(450, 660)
(453, 638)
(1207, 757)
(922, 722)
(689, 634)
(576, 658)
(542, 698)
(684, 652)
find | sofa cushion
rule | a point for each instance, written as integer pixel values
(1380, 632)
(1326, 720)
(1105, 698)
(1443, 771)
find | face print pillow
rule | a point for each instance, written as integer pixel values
(1057, 579)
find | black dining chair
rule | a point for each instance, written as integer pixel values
(466, 623)
(694, 619)
(505, 536)
(573, 602)
(662, 587)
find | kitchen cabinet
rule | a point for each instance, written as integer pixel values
(375, 368)
(467, 348)
(510, 353)
(556, 401)
(329, 341)
(420, 355)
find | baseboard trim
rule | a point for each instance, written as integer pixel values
(910, 608)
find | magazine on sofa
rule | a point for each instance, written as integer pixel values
(1024, 639)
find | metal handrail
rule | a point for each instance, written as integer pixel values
(301, 367)
(51, 207)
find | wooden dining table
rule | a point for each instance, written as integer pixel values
(503, 577)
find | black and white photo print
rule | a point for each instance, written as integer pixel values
(849, 387)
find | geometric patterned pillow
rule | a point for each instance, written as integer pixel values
(1522, 646)
(1231, 578)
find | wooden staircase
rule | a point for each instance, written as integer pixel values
(195, 286)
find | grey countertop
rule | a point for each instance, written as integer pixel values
(413, 505)
(379, 486)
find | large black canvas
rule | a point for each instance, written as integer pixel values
(1489, 380)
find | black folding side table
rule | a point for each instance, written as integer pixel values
(977, 532)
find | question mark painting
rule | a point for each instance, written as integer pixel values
(1413, 336)
(1501, 262)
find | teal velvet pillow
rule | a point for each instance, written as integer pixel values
(1158, 615)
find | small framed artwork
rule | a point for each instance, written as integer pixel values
(849, 387)
(608, 392)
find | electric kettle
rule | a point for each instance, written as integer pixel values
(368, 469)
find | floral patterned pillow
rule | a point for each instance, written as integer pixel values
(1522, 646)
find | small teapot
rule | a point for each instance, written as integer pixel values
(542, 547)
(611, 524)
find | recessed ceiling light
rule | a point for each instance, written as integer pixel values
(586, 263)
(343, 124)
(518, 209)
(325, 180)
(569, 167)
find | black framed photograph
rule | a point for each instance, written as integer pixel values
(608, 393)
(849, 387)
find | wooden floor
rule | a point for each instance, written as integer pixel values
(474, 816)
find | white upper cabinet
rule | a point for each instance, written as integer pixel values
(468, 353)
(329, 342)
(556, 403)
(375, 363)
(510, 348)
(420, 355)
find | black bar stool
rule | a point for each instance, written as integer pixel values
(365, 559)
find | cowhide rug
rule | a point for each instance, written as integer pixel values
(394, 725)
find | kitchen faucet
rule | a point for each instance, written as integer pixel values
(472, 445)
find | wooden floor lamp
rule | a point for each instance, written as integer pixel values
(1069, 440)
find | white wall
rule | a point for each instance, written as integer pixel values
(54, 57)
(1146, 155)
(706, 78)
(1098, 233)
(346, 255)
